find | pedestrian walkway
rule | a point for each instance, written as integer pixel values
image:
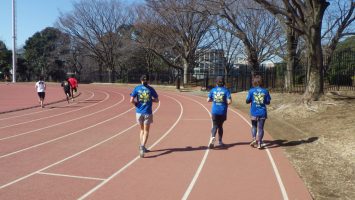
(20, 96)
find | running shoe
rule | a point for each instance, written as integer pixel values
(260, 145)
(145, 149)
(141, 151)
(253, 143)
(211, 144)
(221, 144)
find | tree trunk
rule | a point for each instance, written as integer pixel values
(109, 75)
(292, 42)
(186, 67)
(253, 62)
(314, 88)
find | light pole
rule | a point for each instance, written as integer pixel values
(13, 42)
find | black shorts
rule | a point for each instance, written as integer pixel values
(219, 119)
(67, 92)
(41, 95)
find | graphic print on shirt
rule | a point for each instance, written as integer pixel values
(258, 98)
(218, 96)
(143, 96)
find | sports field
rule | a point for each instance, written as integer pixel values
(88, 149)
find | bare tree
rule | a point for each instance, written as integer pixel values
(230, 44)
(256, 28)
(182, 31)
(96, 25)
(337, 24)
(154, 38)
(307, 19)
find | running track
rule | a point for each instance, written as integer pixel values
(88, 149)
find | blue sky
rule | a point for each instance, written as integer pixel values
(32, 16)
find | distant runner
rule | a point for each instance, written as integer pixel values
(67, 89)
(73, 85)
(41, 90)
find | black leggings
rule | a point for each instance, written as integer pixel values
(218, 121)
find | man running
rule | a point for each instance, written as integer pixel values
(73, 86)
(67, 89)
(41, 90)
(142, 97)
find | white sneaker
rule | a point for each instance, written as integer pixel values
(211, 144)
(260, 145)
(141, 151)
(253, 143)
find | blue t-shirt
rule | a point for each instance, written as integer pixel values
(219, 96)
(143, 95)
(259, 98)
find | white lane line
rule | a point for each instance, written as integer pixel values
(274, 167)
(53, 125)
(202, 163)
(272, 161)
(52, 115)
(69, 157)
(136, 158)
(71, 176)
(32, 113)
(63, 160)
(64, 136)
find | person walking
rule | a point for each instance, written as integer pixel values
(220, 98)
(73, 85)
(142, 97)
(41, 90)
(67, 89)
(258, 97)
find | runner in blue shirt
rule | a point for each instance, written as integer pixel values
(259, 98)
(220, 98)
(142, 97)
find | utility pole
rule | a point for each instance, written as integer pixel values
(13, 42)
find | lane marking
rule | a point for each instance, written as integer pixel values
(32, 113)
(71, 176)
(203, 161)
(60, 123)
(64, 136)
(53, 115)
(272, 161)
(136, 158)
(72, 156)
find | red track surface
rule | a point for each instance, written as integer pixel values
(88, 149)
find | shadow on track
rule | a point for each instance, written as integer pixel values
(162, 152)
(284, 143)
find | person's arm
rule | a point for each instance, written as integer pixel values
(209, 98)
(154, 95)
(248, 99)
(156, 100)
(268, 98)
(133, 102)
(229, 98)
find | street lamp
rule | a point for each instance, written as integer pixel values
(13, 43)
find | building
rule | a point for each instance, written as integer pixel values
(209, 62)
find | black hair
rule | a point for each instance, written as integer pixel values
(144, 77)
(220, 81)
